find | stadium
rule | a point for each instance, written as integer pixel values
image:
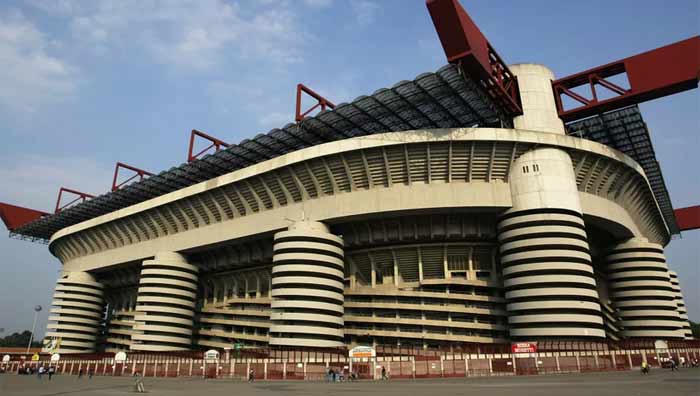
(468, 206)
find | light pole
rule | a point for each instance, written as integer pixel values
(37, 309)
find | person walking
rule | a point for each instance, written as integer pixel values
(52, 371)
(90, 373)
(251, 375)
(645, 367)
(40, 372)
(674, 366)
(384, 376)
(80, 373)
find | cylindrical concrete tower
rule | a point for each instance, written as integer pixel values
(547, 272)
(682, 312)
(165, 304)
(641, 290)
(76, 312)
(307, 287)
(537, 99)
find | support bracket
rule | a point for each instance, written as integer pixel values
(214, 142)
(140, 173)
(80, 196)
(322, 102)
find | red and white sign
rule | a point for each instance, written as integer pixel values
(524, 347)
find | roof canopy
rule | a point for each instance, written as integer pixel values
(444, 99)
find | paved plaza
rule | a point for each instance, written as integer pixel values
(659, 383)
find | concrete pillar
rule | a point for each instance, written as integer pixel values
(642, 291)
(545, 254)
(165, 304)
(537, 98)
(76, 313)
(307, 253)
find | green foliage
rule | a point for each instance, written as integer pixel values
(19, 340)
(695, 327)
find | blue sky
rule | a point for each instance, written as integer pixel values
(87, 83)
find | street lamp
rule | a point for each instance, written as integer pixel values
(37, 309)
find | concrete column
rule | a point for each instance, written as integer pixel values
(307, 253)
(547, 270)
(76, 313)
(537, 98)
(165, 304)
(642, 291)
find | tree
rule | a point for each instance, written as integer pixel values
(695, 328)
(19, 340)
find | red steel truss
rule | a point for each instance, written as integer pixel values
(653, 74)
(466, 46)
(216, 143)
(140, 173)
(688, 218)
(81, 196)
(17, 216)
(322, 102)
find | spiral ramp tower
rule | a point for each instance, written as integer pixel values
(76, 313)
(548, 276)
(680, 302)
(307, 287)
(642, 291)
(165, 304)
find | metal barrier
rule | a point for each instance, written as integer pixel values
(303, 367)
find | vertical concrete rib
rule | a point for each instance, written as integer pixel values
(76, 312)
(547, 272)
(680, 303)
(641, 289)
(307, 287)
(165, 304)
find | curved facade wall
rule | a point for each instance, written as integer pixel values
(165, 304)
(307, 287)
(641, 290)
(680, 303)
(76, 312)
(548, 277)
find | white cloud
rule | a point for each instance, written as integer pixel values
(30, 76)
(318, 3)
(365, 11)
(195, 34)
(33, 180)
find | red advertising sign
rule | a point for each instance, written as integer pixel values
(524, 347)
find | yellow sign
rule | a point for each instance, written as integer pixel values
(35, 357)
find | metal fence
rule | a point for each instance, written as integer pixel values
(313, 365)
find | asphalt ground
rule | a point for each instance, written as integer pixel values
(658, 383)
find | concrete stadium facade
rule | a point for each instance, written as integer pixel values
(420, 237)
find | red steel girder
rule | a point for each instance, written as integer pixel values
(466, 46)
(81, 196)
(322, 102)
(216, 143)
(688, 218)
(653, 74)
(17, 216)
(140, 173)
